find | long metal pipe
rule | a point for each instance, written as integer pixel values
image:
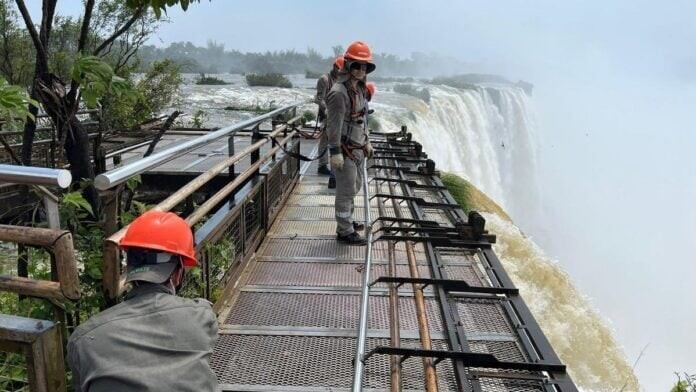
(182, 193)
(365, 297)
(394, 322)
(431, 383)
(32, 175)
(119, 175)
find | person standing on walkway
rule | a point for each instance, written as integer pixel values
(324, 84)
(153, 340)
(346, 107)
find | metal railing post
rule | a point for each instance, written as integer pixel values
(365, 296)
(230, 152)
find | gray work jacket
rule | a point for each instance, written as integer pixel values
(342, 118)
(152, 341)
(324, 84)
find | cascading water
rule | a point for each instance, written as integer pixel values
(486, 135)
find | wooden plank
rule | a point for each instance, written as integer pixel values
(33, 288)
(66, 267)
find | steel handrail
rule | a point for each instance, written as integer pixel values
(122, 174)
(365, 296)
(32, 175)
(112, 280)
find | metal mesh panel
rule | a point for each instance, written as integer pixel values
(301, 249)
(306, 361)
(325, 311)
(322, 200)
(503, 384)
(428, 195)
(304, 228)
(437, 215)
(462, 264)
(320, 274)
(482, 316)
(503, 351)
(466, 273)
(13, 372)
(253, 218)
(274, 190)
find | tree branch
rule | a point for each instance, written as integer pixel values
(41, 51)
(89, 6)
(136, 15)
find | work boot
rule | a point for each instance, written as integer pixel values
(357, 226)
(351, 239)
(323, 169)
(332, 182)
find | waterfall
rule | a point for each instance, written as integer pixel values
(485, 135)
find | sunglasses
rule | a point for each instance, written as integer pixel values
(360, 66)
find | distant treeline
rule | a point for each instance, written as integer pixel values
(214, 58)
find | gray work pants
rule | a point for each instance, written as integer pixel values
(348, 184)
(323, 146)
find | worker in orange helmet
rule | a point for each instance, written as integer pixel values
(324, 84)
(349, 146)
(153, 340)
(371, 90)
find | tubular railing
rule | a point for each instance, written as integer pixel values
(365, 295)
(246, 207)
(32, 175)
(117, 176)
(39, 341)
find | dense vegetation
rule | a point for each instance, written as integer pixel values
(268, 79)
(215, 58)
(209, 80)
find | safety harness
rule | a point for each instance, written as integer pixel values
(347, 144)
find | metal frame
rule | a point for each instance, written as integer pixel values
(122, 174)
(113, 281)
(467, 232)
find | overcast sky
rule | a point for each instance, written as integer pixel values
(615, 92)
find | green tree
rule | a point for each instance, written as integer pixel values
(61, 102)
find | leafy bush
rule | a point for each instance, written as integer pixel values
(268, 79)
(14, 102)
(210, 80)
(308, 116)
(409, 89)
(157, 90)
(97, 78)
(688, 384)
(251, 108)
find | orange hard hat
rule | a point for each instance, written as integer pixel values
(371, 89)
(360, 52)
(164, 232)
(339, 62)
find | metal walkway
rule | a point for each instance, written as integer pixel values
(291, 323)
